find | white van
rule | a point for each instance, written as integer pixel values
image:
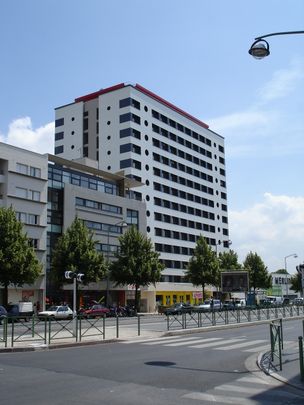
(239, 303)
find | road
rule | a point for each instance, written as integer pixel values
(201, 368)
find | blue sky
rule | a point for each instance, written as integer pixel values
(193, 53)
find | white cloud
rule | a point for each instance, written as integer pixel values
(274, 228)
(22, 134)
(283, 82)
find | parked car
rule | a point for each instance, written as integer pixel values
(57, 312)
(21, 310)
(298, 301)
(95, 311)
(178, 309)
(239, 303)
(3, 314)
(227, 305)
(208, 306)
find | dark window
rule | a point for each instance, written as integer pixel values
(85, 124)
(58, 149)
(125, 117)
(125, 148)
(59, 135)
(59, 122)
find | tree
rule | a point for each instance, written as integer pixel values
(75, 251)
(18, 263)
(229, 261)
(258, 274)
(296, 282)
(137, 263)
(203, 267)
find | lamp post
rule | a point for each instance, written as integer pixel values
(260, 48)
(123, 224)
(285, 262)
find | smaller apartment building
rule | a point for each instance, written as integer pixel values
(47, 192)
(23, 185)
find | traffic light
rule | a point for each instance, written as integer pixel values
(69, 274)
(80, 277)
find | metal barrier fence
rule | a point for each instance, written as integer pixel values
(276, 340)
(15, 331)
(301, 355)
(240, 315)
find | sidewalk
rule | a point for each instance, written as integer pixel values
(290, 373)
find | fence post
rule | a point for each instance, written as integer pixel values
(138, 325)
(281, 333)
(301, 357)
(117, 327)
(104, 326)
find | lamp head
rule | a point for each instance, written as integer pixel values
(259, 49)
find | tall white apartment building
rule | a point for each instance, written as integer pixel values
(180, 162)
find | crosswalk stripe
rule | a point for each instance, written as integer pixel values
(192, 342)
(159, 339)
(172, 340)
(253, 380)
(240, 345)
(202, 396)
(216, 343)
(234, 388)
(260, 349)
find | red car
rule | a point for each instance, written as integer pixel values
(95, 311)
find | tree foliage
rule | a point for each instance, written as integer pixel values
(75, 251)
(296, 282)
(203, 267)
(229, 261)
(18, 263)
(137, 263)
(258, 274)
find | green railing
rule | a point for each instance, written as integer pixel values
(16, 331)
(276, 340)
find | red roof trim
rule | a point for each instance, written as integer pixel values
(91, 96)
(165, 102)
(149, 93)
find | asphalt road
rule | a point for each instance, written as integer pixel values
(202, 368)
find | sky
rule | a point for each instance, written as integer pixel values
(193, 53)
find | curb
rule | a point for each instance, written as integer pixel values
(260, 363)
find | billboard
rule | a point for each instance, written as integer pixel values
(234, 281)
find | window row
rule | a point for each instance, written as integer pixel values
(106, 249)
(99, 226)
(184, 208)
(126, 102)
(59, 122)
(34, 243)
(179, 250)
(26, 218)
(129, 117)
(183, 168)
(182, 180)
(182, 194)
(130, 163)
(180, 153)
(28, 170)
(180, 127)
(181, 141)
(181, 222)
(130, 147)
(28, 194)
(129, 132)
(82, 202)
(58, 176)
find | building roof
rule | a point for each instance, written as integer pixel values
(147, 92)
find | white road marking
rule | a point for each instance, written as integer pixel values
(192, 342)
(216, 343)
(239, 345)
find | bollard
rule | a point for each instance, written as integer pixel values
(301, 359)
(138, 325)
(104, 326)
(117, 327)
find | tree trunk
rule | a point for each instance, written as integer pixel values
(136, 299)
(5, 295)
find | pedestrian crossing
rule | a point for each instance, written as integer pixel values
(240, 343)
(248, 390)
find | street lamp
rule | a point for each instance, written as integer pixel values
(122, 224)
(285, 261)
(260, 48)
